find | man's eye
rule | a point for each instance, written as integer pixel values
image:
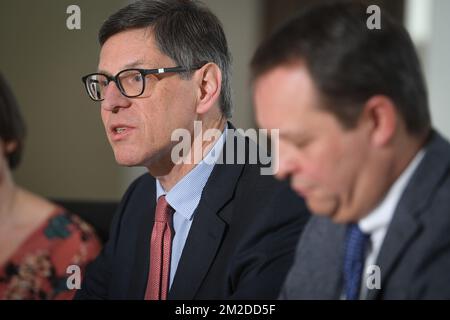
(137, 78)
(302, 143)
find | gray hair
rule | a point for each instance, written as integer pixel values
(185, 30)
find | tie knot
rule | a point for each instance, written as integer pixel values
(356, 239)
(163, 210)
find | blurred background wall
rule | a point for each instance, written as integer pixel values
(67, 154)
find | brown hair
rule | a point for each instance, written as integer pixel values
(12, 126)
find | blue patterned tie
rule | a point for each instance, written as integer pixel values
(355, 248)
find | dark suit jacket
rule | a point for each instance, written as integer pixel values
(414, 258)
(240, 245)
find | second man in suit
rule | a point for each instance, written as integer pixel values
(357, 142)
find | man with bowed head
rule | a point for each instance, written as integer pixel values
(356, 141)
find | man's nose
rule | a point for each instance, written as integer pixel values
(286, 166)
(113, 98)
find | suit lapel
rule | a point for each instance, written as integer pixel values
(317, 271)
(405, 224)
(201, 246)
(207, 230)
(327, 272)
(401, 233)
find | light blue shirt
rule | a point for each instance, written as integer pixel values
(184, 198)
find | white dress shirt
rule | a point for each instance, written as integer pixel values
(184, 198)
(376, 223)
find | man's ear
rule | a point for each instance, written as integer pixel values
(10, 146)
(210, 84)
(382, 117)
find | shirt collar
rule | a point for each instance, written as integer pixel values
(381, 216)
(185, 196)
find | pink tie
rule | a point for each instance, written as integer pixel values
(160, 251)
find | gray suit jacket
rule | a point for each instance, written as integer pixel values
(415, 256)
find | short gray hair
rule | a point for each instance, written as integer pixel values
(185, 30)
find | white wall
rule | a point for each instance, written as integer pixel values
(439, 66)
(429, 24)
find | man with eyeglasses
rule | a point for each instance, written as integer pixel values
(187, 230)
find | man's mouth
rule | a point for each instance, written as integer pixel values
(119, 132)
(301, 189)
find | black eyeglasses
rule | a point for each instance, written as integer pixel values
(131, 82)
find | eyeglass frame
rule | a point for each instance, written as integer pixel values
(143, 72)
